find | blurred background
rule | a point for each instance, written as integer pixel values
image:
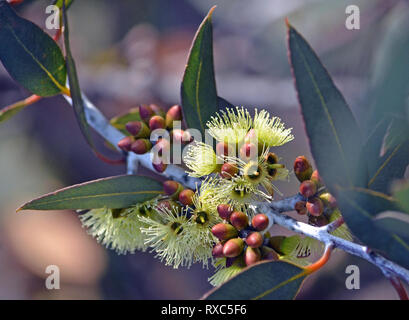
(133, 52)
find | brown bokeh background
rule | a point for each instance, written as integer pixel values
(132, 52)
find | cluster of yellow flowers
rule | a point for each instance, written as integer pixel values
(242, 156)
(178, 226)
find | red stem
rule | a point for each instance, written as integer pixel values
(400, 289)
(14, 2)
(321, 262)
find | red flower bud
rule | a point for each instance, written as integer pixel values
(157, 110)
(180, 136)
(317, 179)
(156, 122)
(162, 146)
(302, 168)
(254, 240)
(217, 251)
(248, 151)
(315, 207)
(239, 220)
(145, 112)
(224, 149)
(159, 167)
(224, 231)
(138, 129)
(186, 197)
(126, 143)
(174, 114)
(224, 211)
(328, 200)
(300, 207)
(308, 188)
(251, 136)
(233, 247)
(172, 188)
(252, 256)
(260, 222)
(141, 146)
(228, 170)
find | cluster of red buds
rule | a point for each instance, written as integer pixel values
(176, 192)
(177, 197)
(241, 240)
(320, 203)
(150, 118)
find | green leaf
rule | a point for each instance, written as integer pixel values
(397, 133)
(76, 95)
(113, 192)
(373, 201)
(390, 84)
(389, 167)
(198, 89)
(373, 145)
(397, 226)
(120, 121)
(333, 133)
(30, 55)
(401, 193)
(358, 210)
(9, 111)
(266, 280)
(387, 124)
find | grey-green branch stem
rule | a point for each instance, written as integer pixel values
(273, 210)
(101, 125)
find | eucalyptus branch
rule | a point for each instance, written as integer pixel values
(274, 212)
(102, 126)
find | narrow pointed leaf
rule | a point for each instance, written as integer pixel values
(112, 192)
(30, 55)
(390, 84)
(374, 201)
(373, 145)
(401, 193)
(389, 167)
(334, 136)
(359, 209)
(76, 94)
(392, 225)
(78, 102)
(267, 280)
(198, 89)
(10, 111)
